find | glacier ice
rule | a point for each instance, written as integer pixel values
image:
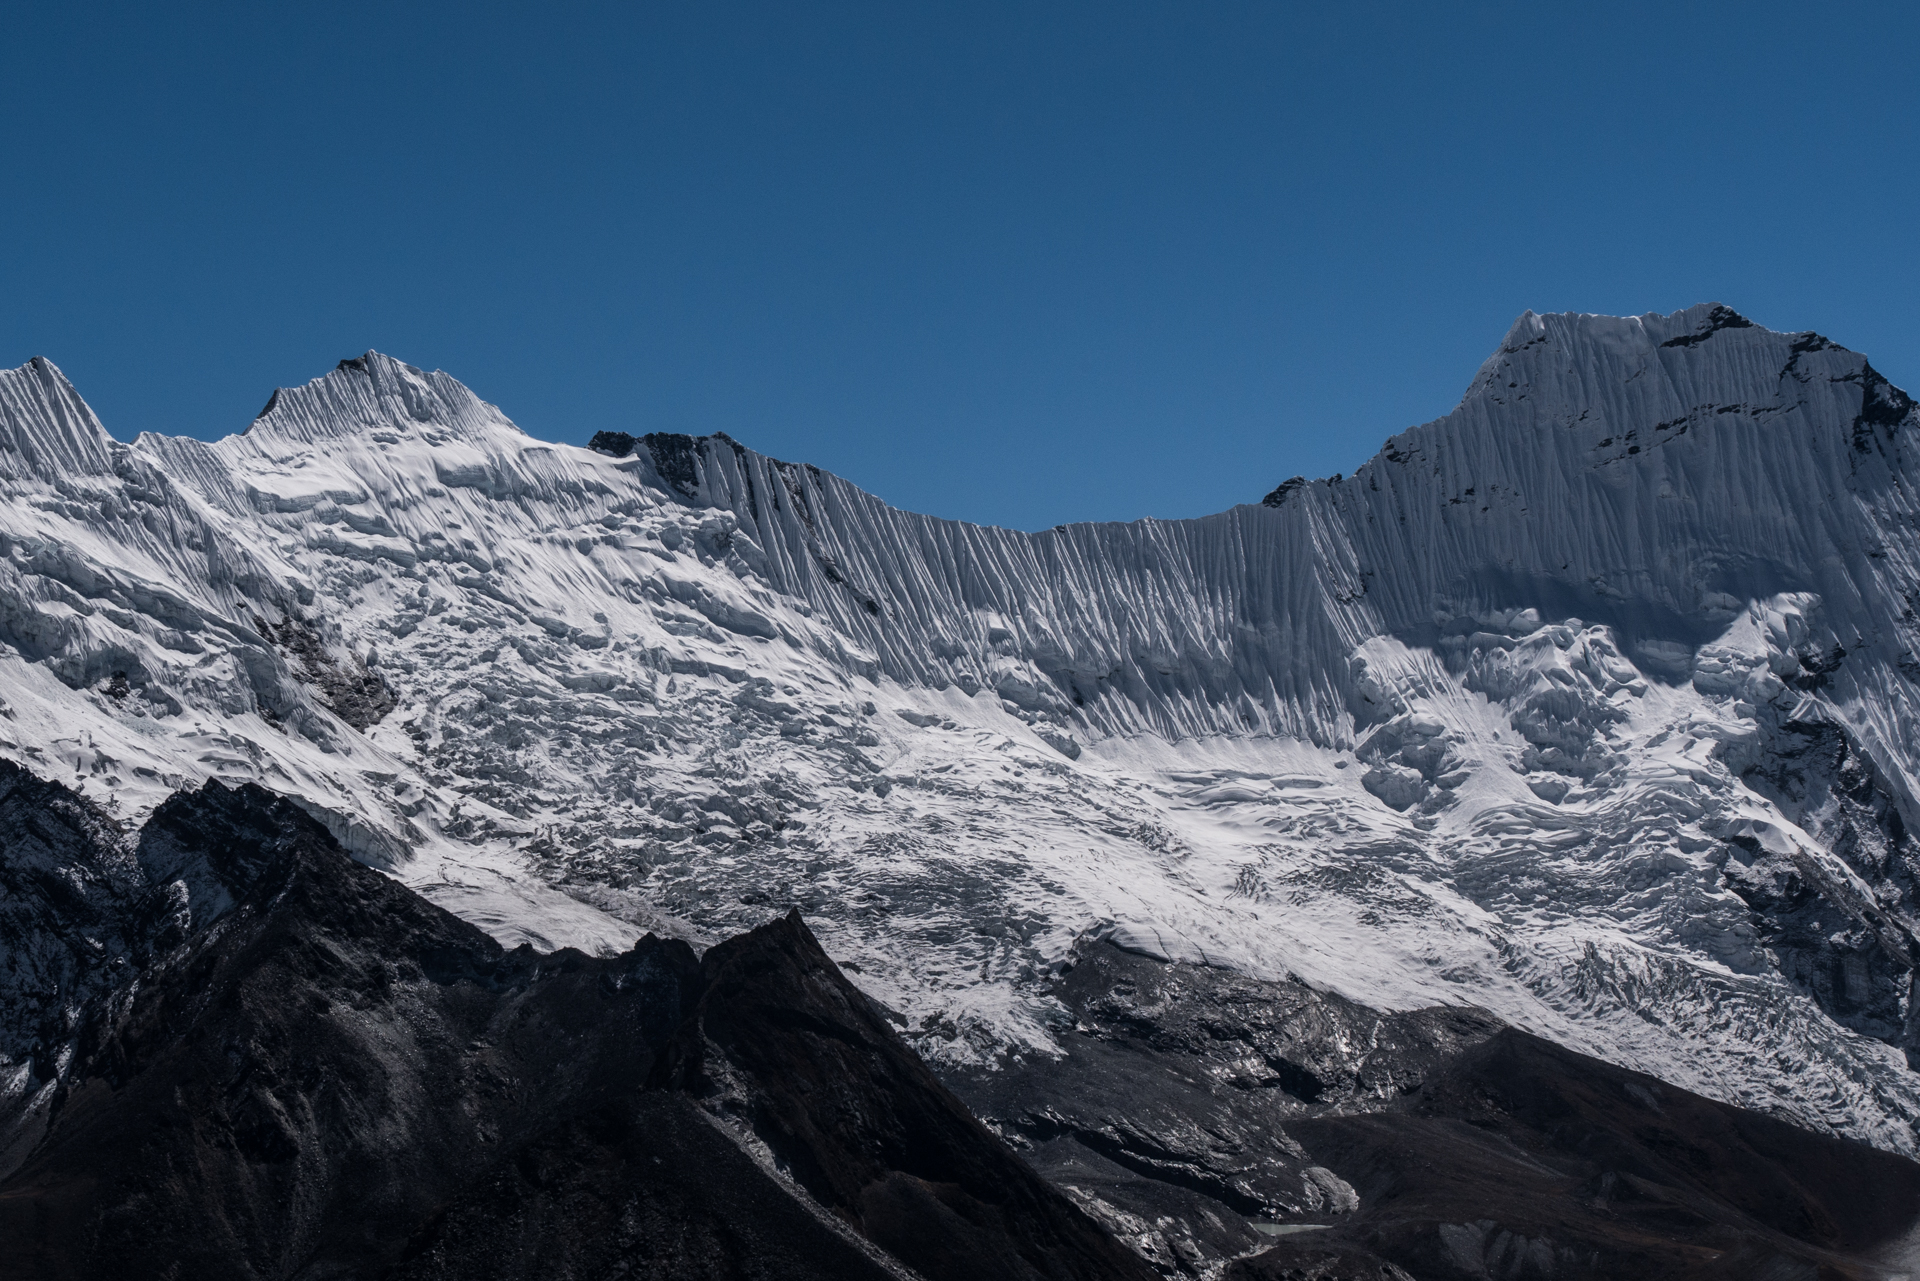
(1592, 703)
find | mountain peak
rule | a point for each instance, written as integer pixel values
(1615, 371)
(375, 392)
(46, 429)
(1683, 328)
(1706, 320)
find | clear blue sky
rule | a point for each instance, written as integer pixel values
(1019, 263)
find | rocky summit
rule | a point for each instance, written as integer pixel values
(1532, 805)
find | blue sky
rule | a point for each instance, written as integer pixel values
(1015, 263)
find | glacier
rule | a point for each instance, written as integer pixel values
(1592, 703)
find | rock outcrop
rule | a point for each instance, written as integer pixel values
(290, 1065)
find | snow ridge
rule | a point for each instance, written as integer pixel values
(1592, 702)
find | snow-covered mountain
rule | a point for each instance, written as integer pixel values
(1592, 703)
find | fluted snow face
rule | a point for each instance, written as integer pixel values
(1591, 702)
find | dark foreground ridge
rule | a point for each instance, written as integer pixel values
(319, 1074)
(1522, 1159)
(231, 1052)
(1204, 1116)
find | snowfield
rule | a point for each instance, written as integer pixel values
(1592, 703)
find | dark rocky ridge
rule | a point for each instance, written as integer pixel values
(249, 1057)
(318, 1073)
(71, 925)
(1198, 1112)
(1848, 951)
(616, 443)
(1522, 1159)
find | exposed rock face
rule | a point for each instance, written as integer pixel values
(1170, 1113)
(615, 443)
(1848, 945)
(357, 696)
(1521, 1159)
(1205, 1117)
(301, 1068)
(75, 923)
(780, 1041)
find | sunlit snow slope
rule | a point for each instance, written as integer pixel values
(1592, 703)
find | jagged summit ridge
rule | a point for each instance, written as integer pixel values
(46, 429)
(1744, 458)
(1589, 702)
(375, 393)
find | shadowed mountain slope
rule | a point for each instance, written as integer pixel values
(1521, 1159)
(303, 1069)
(1199, 1113)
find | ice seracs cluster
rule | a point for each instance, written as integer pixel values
(1592, 703)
